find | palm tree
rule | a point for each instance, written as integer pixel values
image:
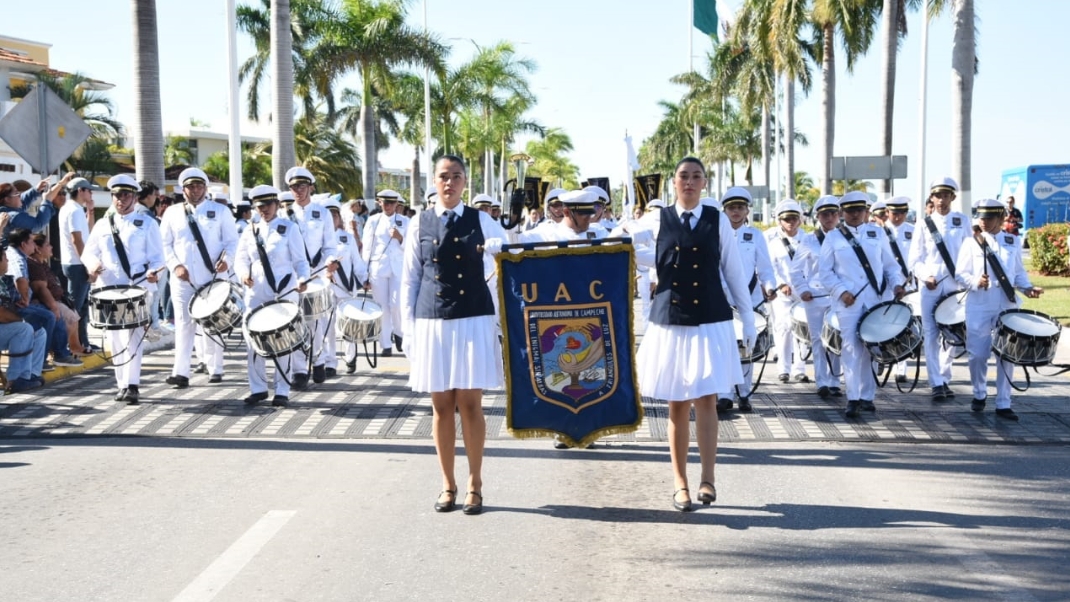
(551, 161)
(963, 69)
(148, 141)
(255, 164)
(176, 151)
(282, 148)
(75, 89)
(372, 38)
(842, 187)
(326, 152)
(893, 29)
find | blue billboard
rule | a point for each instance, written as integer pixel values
(1041, 192)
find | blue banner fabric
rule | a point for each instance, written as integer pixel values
(568, 342)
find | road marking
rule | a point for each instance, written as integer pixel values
(223, 569)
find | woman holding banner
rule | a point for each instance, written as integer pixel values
(691, 323)
(449, 324)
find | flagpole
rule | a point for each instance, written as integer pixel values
(427, 119)
(923, 94)
(234, 143)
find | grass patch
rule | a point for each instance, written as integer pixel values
(1056, 298)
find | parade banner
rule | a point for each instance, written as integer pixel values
(568, 342)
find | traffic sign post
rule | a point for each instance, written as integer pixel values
(43, 130)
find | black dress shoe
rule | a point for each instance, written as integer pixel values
(178, 381)
(784, 377)
(867, 405)
(132, 396)
(948, 393)
(682, 506)
(351, 367)
(938, 393)
(300, 382)
(319, 374)
(801, 378)
(331, 373)
(215, 378)
(1007, 414)
(397, 342)
(823, 392)
(386, 352)
(201, 369)
(255, 398)
(977, 405)
(836, 391)
(707, 497)
(449, 504)
(853, 407)
(744, 405)
(280, 401)
(121, 395)
(723, 404)
(476, 508)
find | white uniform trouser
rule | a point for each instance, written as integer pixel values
(789, 358)
(642, 308)
(386, 292)
(856, 359)
(185, 333)
(826, 365)
(979, 327)
(126, 348)
(258, 381)
(748, 369)
(938, 357)
(318, 330)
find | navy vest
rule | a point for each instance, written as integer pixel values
(452, 286)
(689, 289)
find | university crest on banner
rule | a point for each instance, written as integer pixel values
(569, 348)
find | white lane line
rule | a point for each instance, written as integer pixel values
(223, 569)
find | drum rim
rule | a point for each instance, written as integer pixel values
(1032, 312)
(112, 287)
(942, 298)
(297, 318)
(910, 313)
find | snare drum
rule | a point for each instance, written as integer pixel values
(950, 315)
(276, 328)
(890, 332)
(763, 343)
(1026, 337)
(831, 337)
(800, 327)
(317, 301)
(217, 307)
(359, 320)
(118, 307)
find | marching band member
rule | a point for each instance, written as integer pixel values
(783, 243)
(317, 231)
(754, 255)
(199, 241)
(689, 352)
(990, 268)
(384, 235)
(600, 208)
(485, 203)
(449, 324)
(900, 234)
(932, 255)
(243, 214)
(279, 241)
(646, 277)
(346, 280)
(856, 267)
(125, 248)
(806, 281)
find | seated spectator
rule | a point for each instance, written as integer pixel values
(48, 292)
(25, 346)
(18, 253)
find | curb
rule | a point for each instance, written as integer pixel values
(101, 360)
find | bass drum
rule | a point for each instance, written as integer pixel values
(830, 333)
(762, 344)
(950, 315)
(890, 332)
(359, 320)
(276, 328)
(1026, 337)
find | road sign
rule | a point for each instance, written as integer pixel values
(43, 130)
(869, 168)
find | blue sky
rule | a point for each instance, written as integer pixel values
(604, 64)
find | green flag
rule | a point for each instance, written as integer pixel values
(706, 16)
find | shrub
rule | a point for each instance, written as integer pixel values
(1048, 248)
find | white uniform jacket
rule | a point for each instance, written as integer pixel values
(841, 271)
(351, 268)
(970, 266)
(924, 257)
(317, 231)
(285, 251)
(384, 255)
(216, 224)
(140, 237)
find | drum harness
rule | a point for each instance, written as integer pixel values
(124, 262)
(202, 248)
(269, 274)
(370, 356)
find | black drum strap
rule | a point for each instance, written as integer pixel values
(820, 237)
(264, 261)
(753, 282)
(895, 251)
(787, 245)
(304, 243)
(997, 268)
(120, 250)
(862, 258)
(941, 246)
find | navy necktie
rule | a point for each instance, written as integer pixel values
(687, 221)
(451, 218)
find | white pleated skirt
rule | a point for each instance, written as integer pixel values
(455, 354)
(678, 363)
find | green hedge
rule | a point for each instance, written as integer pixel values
(1048, 248)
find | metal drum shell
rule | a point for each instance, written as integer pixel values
(800, 327)
(223, 318)
(946, 316)
(359, 320)
(763, 342)
(1022, 348)
(831, 337)
(280, 339)
(901, 334)
(317, 301)
(124, 312)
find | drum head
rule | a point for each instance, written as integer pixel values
(1029, 324)
(884, 322)
(116, 293)
(360, 310)
(951, 309)
(798, 312)
(272, 316)
(760, 324)
(209, 299)
(313, 287)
